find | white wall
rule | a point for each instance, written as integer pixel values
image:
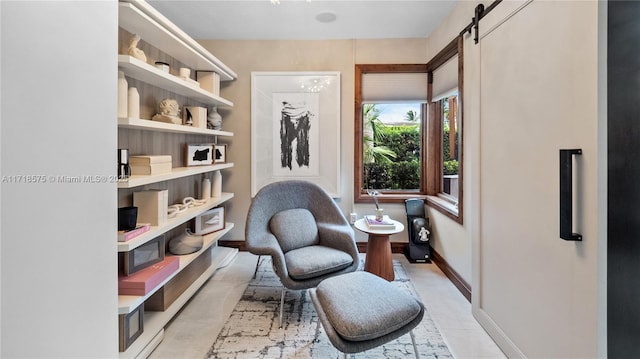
(452, 240)
(58, 111)
(287, 55)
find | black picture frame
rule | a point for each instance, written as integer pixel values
(131, 326)
(143, 256)
(220, 154)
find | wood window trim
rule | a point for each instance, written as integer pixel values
(431, 131)
(359, 193)
(434, 152)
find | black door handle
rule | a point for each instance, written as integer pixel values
(566, 195)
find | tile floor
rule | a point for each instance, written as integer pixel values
(196, 327)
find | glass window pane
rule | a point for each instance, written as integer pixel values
(450, 146)
(392, 146)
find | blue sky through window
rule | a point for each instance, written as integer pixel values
(395, 112)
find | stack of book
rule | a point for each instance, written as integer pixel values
(124, 236)
(150, 165)
(383, 224)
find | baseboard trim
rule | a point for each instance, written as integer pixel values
(501, 339)
(453, 276)
(241, 245)
(396, 247)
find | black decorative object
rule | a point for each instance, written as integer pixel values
(419, 231)
(127, 218)
(479, 13)
(566, 195)
(124, 170)
(189, 117)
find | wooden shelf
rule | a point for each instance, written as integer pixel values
(127, 303)
(148, 125)
(177, 172)
(138, 17)
(154, 322)
(172, 223)
(144, 72)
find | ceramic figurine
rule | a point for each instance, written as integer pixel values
(134, 50)
(169, 112)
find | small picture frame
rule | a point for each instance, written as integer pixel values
(143, 256)
(131, 325)
(198, 155)
(210, 221)
(220, 154)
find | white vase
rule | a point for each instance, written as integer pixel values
(206, 189)
(123, 89)
(214, 119)
(216, 187)
(133, 105)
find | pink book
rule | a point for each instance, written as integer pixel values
(142, 282)
(124, 236)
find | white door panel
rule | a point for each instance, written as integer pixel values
(538, 88)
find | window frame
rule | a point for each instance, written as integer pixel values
(435, 197)
(360, 194)
(431, 133)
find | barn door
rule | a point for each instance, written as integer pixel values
(538, 95)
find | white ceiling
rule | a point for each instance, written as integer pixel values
(295, 19)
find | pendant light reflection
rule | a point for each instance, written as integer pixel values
(315, 84)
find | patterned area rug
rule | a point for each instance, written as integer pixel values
(252, 330)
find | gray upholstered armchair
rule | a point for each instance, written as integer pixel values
(304, 231)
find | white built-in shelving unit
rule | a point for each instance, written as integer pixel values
(138, 17)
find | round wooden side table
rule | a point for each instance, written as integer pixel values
(378, 260)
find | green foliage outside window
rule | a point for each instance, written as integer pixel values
(392, 153)
(449, 165)
(402, 172)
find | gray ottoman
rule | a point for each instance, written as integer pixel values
(360, 311)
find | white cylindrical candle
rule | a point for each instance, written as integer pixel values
(133, 103)
(216, 187)
(206, 189)
(123, 87)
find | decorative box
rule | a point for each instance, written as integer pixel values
(148, 159)
(194, 116)
(209, 81)
(165, 296)
(152, 206)
(142, 282)
(150, 165)
(152, 169)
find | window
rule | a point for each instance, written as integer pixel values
(408, 131)
(391, 102)
(450, 144)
